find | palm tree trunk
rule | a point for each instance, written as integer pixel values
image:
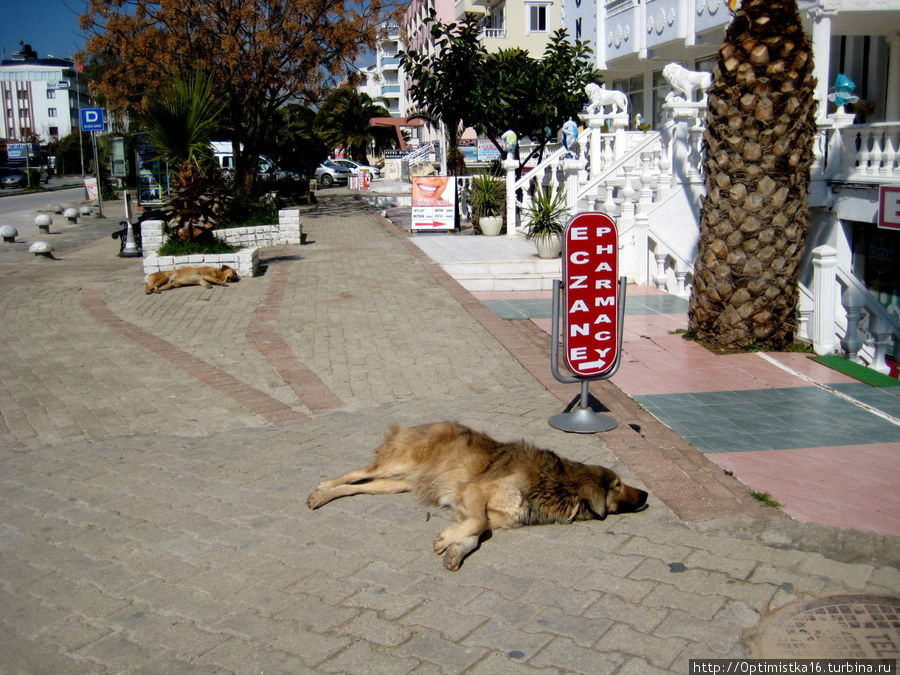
(758, 142)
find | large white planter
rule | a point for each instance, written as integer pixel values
(288, 230)
(548, 245)
(490, 225)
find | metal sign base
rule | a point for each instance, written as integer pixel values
(583, 419)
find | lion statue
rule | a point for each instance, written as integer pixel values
(600, 98)
(687, 81)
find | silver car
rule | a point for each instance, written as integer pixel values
(330, 173)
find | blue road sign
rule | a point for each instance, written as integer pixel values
(92, 119)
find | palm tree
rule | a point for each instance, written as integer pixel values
(181, 118)
(760, 128)
(344, 120)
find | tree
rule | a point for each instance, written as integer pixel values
(344, 120)
(295, 145)
(463, 85)
(443, 84)
(181, 118)
(260, 54)
(758, 141)
(534, 97)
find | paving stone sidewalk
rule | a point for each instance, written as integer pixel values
(156, 452)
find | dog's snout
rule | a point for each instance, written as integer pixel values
(634, 499)
(642, 498)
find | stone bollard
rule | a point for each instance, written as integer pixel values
(43, 222)
(71, 214)
(42, 248)
(85, 210)
(9, 233)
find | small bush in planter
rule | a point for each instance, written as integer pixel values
(487, 198)
(547, 214)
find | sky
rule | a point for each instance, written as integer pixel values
(49, 26)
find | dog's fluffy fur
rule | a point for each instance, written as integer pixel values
(489, 485)
(189, 276)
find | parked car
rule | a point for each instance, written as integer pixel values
(14, 179)
(356, 167)
(330, 173)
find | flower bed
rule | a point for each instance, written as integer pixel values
(289, 230)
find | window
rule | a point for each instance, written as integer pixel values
(54, 132)
(51, 112)
(51, 93)
(634, 88)
(537, 18)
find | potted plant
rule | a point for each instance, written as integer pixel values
(487, 197)
(545, 220)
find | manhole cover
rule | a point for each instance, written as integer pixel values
(839, 626)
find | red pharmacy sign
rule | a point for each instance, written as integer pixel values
(590, 278)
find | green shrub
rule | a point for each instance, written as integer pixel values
(247, 213)
(175, 246)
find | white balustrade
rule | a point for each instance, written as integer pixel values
(631, 175)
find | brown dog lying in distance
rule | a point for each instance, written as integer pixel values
(489, 485)
(190, 276)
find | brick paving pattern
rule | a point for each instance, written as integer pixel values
(156, 453)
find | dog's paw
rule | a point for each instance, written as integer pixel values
(315, 499)
(454, 555)
(441, 543)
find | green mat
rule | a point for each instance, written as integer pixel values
(857, 370)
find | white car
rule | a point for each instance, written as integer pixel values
(355, 167)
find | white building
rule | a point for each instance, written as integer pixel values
(383, 82)
(39, 96)
(633, 40)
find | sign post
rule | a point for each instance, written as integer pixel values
(92, 120)
(592, 305)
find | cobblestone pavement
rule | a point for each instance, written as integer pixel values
(157, 451)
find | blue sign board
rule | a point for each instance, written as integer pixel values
(92, 119)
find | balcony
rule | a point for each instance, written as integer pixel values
(493, 34)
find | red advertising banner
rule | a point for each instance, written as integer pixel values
(590, 282)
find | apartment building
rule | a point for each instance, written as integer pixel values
(634, 39)
(383, 81)
(39, 96)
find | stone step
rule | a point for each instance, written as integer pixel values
(505, 275)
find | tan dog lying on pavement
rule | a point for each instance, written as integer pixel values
(488, 484)
(190, 276)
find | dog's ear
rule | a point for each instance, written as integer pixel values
(593, 497)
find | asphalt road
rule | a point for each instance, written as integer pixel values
(19, 208)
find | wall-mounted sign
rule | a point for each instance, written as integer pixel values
(889, 207)
(433, 203)
(590, 280)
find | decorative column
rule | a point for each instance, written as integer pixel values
(511, 165)
(821, 46)
(571, 168)
(825, 288)
(854, 304)
(595, 124)
(882, 334)
(892, 105)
